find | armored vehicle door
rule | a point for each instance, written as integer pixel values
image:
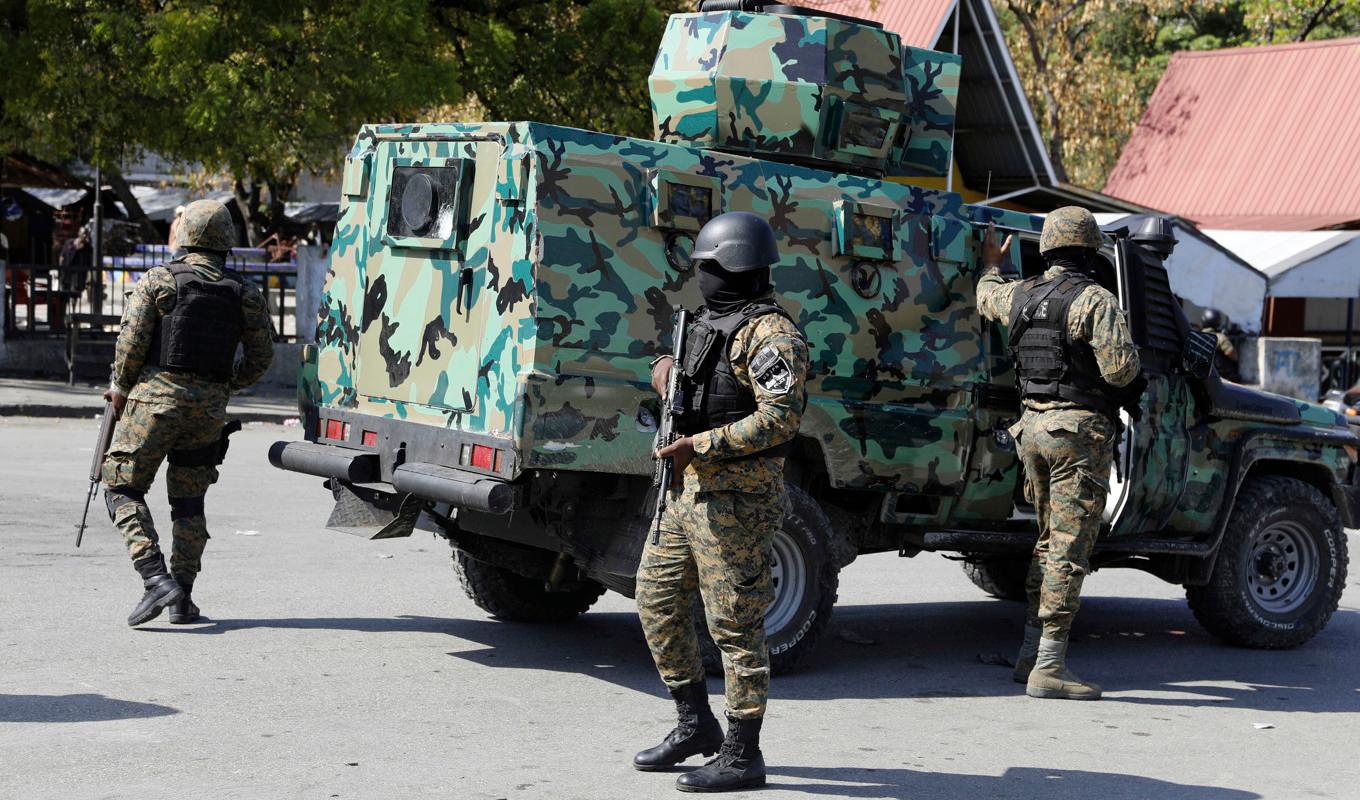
(1153, 455)
(919, 346)
(424, 307)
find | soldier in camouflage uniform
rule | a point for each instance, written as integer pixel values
(747, 362)
(173, 370)
(1215, 322)
(1077, 364)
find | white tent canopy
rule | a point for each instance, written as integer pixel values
(1300, 263)
(1207, 273)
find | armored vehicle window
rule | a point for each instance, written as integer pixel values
(864, 130)
(423, 202)
(869, 231)
(682, 201)
(690, 201)
(865, 231)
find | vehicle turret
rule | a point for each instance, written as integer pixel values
(806, 86)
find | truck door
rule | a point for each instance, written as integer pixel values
(423, 308)
(1152, 460)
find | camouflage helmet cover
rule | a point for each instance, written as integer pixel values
(206, 224)
(1069, 226)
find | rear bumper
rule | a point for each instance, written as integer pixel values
(432, 482)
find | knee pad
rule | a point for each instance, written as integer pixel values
(181, 507)
(116, 498)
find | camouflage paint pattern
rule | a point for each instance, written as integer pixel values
(813, 88)
(1066, 453)
(145, 435)
(551, 351)
(715, 544)
(933, 85)
(535, 317)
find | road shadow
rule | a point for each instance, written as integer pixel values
(1146, 651)
(1016, 782)
(75, 708)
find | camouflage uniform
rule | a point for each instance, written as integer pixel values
(1224, 344)
(1067, 453)
(172, 412)
(717, 530)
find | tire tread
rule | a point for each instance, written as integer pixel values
(1217, 605)
(505, 595)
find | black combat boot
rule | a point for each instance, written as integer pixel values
(739, 765)
(161, 590)
(183, 611)
(696, 733)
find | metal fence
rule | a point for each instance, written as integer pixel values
(43, 300)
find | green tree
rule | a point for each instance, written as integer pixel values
(71, 82)
(263, 90)
(1089, 66)
(579, 63)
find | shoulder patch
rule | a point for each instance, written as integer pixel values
(770, 371)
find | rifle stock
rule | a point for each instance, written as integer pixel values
(101, 447)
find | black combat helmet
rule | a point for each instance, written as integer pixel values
(1213, 319)
(737, 241)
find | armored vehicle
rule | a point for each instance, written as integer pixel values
(497, 291)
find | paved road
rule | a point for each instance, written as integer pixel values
(337, 667)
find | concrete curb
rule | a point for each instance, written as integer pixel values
(78, 412)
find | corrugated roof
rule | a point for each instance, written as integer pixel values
(1253, 137)
(918, 22)
(1299, 263)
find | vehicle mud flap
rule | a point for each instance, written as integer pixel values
(358, 516)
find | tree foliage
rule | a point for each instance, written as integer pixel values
(262, 90)
(1089, 66)
(580, 63)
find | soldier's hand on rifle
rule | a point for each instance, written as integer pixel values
(118, 400)
(681, 452)
(661, 374)
(992, 254)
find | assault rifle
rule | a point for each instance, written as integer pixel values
(672, 406)
(101, 446)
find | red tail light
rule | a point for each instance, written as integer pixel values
(483, 457)
(335, 429)
(370, 439)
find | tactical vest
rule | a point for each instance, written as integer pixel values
(717, 397)
(201, 332)
(1049, 364)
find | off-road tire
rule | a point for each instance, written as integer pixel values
(807, 534)
(1228, 605)
(1001, 577)
(509, 596)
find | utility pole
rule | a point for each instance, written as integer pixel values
(97, 242)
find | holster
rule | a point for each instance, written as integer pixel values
(209, 455)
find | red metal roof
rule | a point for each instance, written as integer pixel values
(918, 22)
(1251, 138)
